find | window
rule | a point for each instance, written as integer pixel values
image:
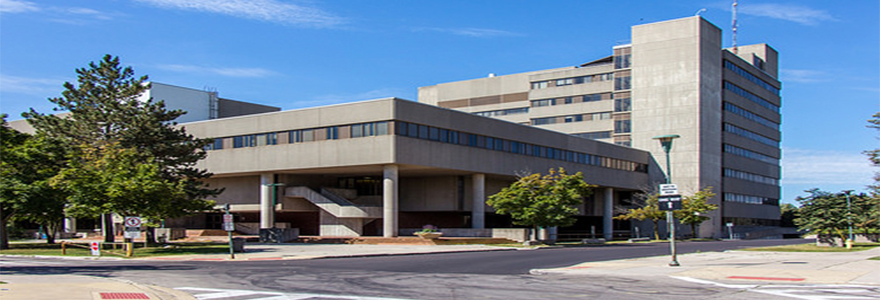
(217, 144)
(749, 199)
(622, 126)
(750, 115)
(750, 176)
(750, 135)
(594, 135)
(543, 102)
(332, 133)
(748, 76)
(750, 154)
(751, 97)
(622, 83)
(622, 104)
(539, 85)
(544, 121)
(381, 128)
(308, 135)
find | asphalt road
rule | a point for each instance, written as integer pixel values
(472, 275)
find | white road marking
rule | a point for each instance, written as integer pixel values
(806, 291)
(211, 294)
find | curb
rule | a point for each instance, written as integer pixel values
(64, 257)
(275, 258)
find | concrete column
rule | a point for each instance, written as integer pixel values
(478, 211)
(389, 200)
(70, 225)
(607, 214)
(267, 210)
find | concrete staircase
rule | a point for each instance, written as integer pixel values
(338, 217)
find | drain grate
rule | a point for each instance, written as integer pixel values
(124, 296)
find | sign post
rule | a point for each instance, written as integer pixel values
(229, 227)
(669, 201)
(132, 227)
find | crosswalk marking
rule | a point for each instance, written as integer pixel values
(806, 291)
(212, 294)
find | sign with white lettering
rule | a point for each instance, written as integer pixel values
(669, 202)
(668, 189)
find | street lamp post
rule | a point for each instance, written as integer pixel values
(666, 143)
(849, 240)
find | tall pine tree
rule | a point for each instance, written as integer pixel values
(105, 111)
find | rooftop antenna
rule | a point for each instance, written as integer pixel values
(700, 11)
(734, 25)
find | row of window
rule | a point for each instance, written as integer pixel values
(304, 135)
(572, 80)
(748, 76)
(622, 126)
(622, 61)
(572, 99)
(750, 176)
(751, 97)
(749, 199)
(572, 118)
(750, 154)
(750, 221)
(750, 115)
(594, 135)
(253, 140)
(622, 83)
(622, 104)
(750, 135)
(503, 112)
(479, 141)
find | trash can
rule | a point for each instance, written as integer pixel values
(238, 245)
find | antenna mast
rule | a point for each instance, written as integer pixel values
(734, 25)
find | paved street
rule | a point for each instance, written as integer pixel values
(461, 275)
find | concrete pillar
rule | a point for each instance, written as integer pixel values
(478, 211)
(70, 225)
(267, 210)
(607, 214)
(389, 200)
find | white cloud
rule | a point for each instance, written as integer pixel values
(15, 6)
(818, 167)
(229, 72)
(802, 76)
(472, 32)
(30, 86)
(798, 14)
(264, 10)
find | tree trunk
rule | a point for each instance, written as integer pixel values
(51, 231)
(151, 236)
(694, 230)
(107, 228)
(656, 229)
(4, 236)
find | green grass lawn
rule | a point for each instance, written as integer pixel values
(814, 248)
(139, 250)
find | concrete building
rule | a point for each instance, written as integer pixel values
(390, 166)
(673, 78)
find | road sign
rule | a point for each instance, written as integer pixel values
(668, 189)
(96, 248)
(228, 225)
(672, 202)
(729, 224)
(132, 222)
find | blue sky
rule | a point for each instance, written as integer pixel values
(295, 54)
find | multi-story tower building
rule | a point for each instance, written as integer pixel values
(673, 78)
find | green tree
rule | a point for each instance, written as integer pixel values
(788, 212)
(105, 111)
(542, 201)
(694, 208)
(648, 210)
(827, 213)
(28, 163)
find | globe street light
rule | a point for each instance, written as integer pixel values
(666, 143)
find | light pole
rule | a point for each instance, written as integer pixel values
(666, 143)
(849, 240)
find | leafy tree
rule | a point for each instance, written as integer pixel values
(28, 163)
(693, 209)
(106, 112)
(649, 210)
(826, 213)
(542, 201)
(788, 212)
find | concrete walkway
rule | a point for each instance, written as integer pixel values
(264, 251)
(75, 287)
(745, 267)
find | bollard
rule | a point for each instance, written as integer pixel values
(129, 249)
(63, 248)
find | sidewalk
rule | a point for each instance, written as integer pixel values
(74, 287)
(745, 267)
